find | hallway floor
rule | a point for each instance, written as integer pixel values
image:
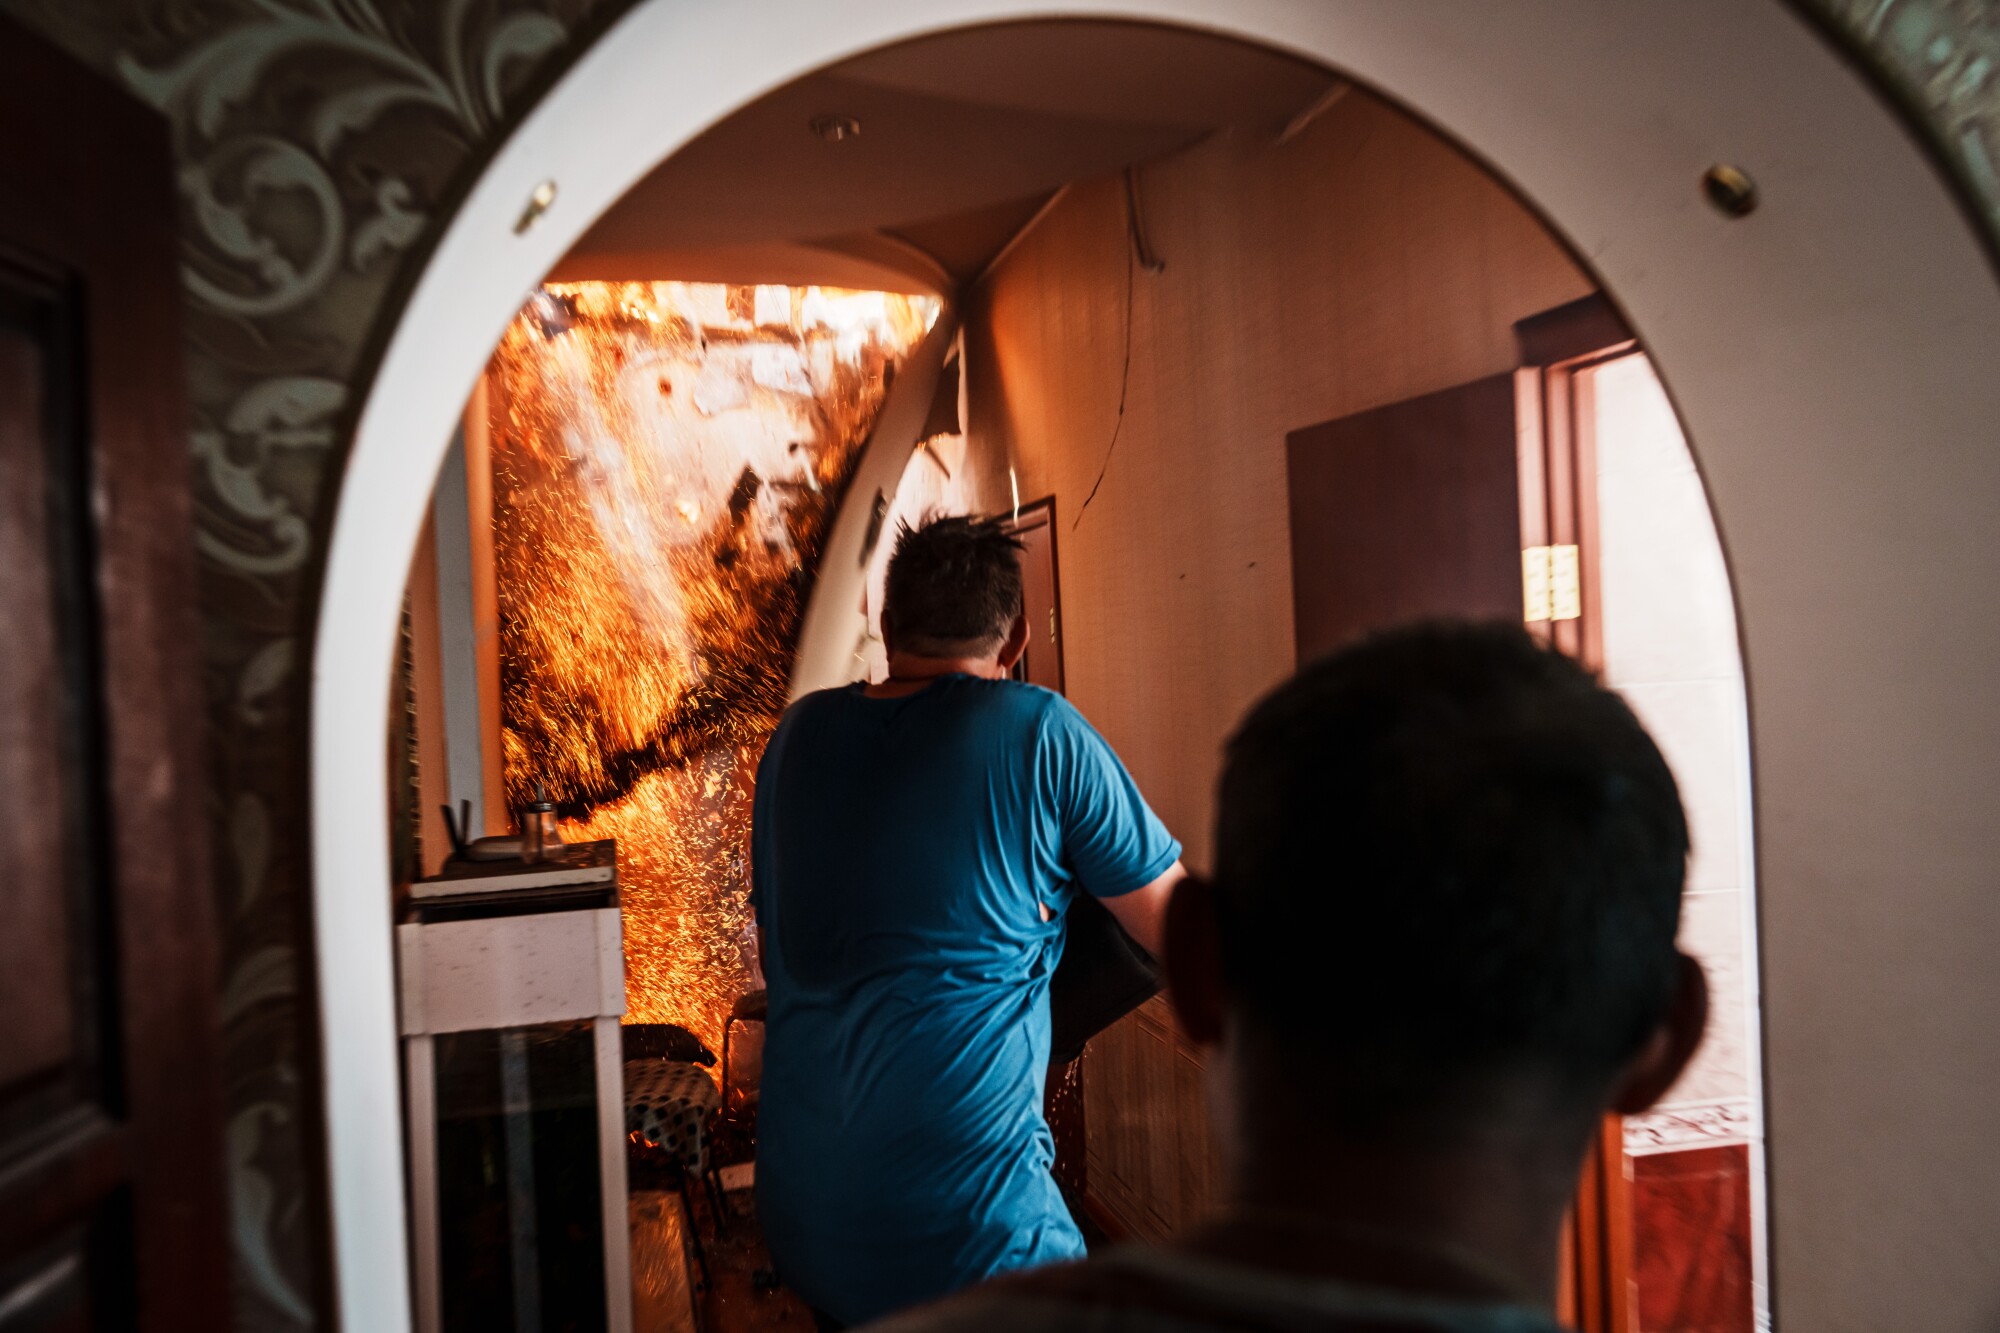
(741, 1295)
(733, 1301)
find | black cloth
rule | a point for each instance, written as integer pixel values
(1104, 975)
(664, 1041)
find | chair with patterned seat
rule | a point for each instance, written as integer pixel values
(670, 1111)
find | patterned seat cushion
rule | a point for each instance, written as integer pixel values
(668, 1103)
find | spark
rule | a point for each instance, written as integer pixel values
(667, 461)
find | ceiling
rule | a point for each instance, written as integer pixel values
(962, 139)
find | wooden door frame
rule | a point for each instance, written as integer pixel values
(1558, 451)
(147, 1138)
(1042, 513)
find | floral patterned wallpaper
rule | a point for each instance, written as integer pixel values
(322, 144)
(1941, 60)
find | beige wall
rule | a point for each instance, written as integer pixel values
(1362, 262)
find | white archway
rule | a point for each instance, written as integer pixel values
(1808, 346)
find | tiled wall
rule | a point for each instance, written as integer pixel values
(1670, 648)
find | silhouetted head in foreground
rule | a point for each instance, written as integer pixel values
(1448, 872)
(953, 589)
(1446, 859)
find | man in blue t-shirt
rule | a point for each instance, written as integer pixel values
(915, 845)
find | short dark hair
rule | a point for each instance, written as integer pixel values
(954, 586)
(1443, 855)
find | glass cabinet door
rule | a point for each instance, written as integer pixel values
(520, 1209)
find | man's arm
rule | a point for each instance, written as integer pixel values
(1109, 833)
(1143, 911)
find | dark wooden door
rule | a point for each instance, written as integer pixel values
(111, 1180)
(1427, 508)
(1405, 512)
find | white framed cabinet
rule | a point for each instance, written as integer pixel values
(511, 998)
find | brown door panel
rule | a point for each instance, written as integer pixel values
(111, 1177)
(1406, 512)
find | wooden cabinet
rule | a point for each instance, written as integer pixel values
(1153, 1164)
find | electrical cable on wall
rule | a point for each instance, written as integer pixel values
(1135, 223)
(1138, 254)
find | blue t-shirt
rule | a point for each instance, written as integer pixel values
(901, 849)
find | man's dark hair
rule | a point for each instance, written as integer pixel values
(1447, 855)
(954, 586)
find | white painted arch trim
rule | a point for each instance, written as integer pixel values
(1855, 308)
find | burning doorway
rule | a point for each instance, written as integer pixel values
(645, 490)
(666, 458)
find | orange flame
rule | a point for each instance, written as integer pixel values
(666, 459)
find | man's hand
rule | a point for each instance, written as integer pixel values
(1143, 912)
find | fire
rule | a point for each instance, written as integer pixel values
(667, 458)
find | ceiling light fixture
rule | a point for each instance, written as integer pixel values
(835, 129)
